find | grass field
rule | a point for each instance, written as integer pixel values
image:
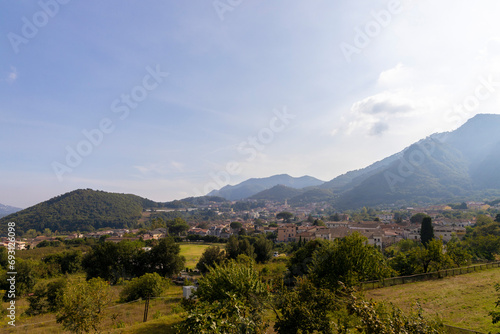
(193, 251)
(462, 301)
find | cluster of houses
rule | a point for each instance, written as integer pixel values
(378, 233)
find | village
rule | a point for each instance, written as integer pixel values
(382, 231)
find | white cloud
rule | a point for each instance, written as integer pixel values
(12, 75)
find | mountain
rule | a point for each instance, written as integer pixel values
(83, 210)
(457, 165)
(6, 210)
(278, 193)
(253, 186)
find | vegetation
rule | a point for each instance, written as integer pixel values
(144, 287)
(126, 260)
(80, 210)
(230, 300)
(463, 301)
(84, 305)
(426, 231)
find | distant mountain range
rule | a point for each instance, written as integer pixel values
(6, 210)
(451, 166)
(448, 167)
(253, 186)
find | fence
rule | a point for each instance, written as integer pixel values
(427, 276)
(457, 330)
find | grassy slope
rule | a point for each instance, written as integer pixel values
(462, 301)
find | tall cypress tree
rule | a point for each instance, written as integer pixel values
(426, 230)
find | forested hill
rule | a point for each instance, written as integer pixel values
(82, 210)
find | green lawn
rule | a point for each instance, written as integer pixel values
(462, 301)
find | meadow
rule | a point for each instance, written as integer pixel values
(462, 301)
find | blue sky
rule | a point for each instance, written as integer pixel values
(177, 98)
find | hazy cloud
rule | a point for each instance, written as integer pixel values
(378, 129)
(382, 103)
(12, 74)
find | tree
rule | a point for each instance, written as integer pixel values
(285, 215)
(348, 260)
(417, 218)
(319, 222)
(430, 256)
(109, 261)
(236, 225)
(426, 230)
(230, 300)
(177, 226)
(232, 247)
(83, 306)
(497, 218)
(263, 249)
(457, 252)
(211, 256)
(301, 259)
(46, 297)
(145, 287)
(305, 309)
(165, 258)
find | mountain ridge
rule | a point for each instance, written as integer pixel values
(253, 186)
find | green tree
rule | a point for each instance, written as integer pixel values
(178, 226)
(230, 300)
(236, 225)
(145, 287)
(431, 257)
(232, 247)
(263, 248)
(349, 260)
(83, 306)
(319, 222)
(301, 259)
(305, 309)
(417, 218)
(426, 230)
(497, 218)
(211, 256)
(165, 258)
(285, 215)
(47, 297)
(457, 252)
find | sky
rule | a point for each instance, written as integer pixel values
(172, 99)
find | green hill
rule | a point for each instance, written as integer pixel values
(82, 210)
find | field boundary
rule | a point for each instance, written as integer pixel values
(386, 282)
(458, 330)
